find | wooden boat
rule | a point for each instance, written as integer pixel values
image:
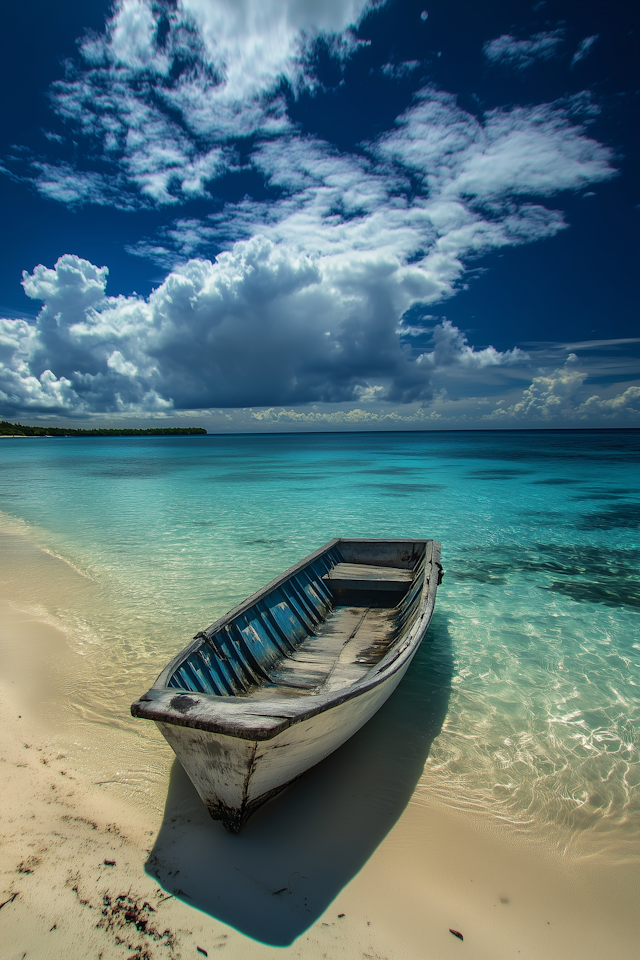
(285, 678)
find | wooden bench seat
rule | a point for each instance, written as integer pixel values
(364, 576)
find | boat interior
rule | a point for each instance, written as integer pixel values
(319, 629)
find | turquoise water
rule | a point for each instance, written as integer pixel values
(537, 620)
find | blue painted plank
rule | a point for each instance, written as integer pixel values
(261, 648)
(233, 641)
(266, 622)
(213, 666)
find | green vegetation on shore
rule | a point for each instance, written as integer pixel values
(19, 430)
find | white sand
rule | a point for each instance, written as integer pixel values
(73, 856)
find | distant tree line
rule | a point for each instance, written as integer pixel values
(20, 430)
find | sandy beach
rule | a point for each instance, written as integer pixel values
(91, 868)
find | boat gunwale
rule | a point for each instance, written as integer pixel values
(248, 719)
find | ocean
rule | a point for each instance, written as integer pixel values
(526, 691)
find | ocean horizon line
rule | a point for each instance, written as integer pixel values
(315, 432)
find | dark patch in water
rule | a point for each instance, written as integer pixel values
(264, 476)
(609, 577)
(617, 516)
(556, 481)
(581, 497)
(600, 446)
(480, 575)
(136, 470)
(607, 493)
(132, 467)
(403, 489)
(498, 473)
(391, 471)
(623, 594)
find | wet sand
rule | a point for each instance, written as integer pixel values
(90, 867)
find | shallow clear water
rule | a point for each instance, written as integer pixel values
(536, 639)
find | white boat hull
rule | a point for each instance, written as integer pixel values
(234, 777)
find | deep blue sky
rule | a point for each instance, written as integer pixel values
(570, 68)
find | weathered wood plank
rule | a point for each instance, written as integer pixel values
(367, 571)
(365, 576)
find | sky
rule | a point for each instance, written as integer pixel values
(258, 215)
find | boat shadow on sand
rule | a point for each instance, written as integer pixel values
(297, 852)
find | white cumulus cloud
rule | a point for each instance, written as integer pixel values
(522, 54)
(561, 396)
(450, 348)
(584, 49)
(548, 397)
(262, 324)
(627, 402)
(344, 418)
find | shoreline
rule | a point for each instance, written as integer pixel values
(70, 849)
